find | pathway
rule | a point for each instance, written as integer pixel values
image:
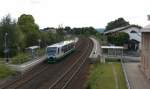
(136, 78)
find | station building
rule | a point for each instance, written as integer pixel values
(134, 32)
(145, 51)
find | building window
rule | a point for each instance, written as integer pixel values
(133, 31)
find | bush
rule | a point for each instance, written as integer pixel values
(20, 58)
(118, 39)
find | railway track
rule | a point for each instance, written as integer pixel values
(63, 81)
(31, 77)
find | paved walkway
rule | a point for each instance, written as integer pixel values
(136, 78)
(96, 52)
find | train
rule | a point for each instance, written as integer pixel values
(59, 50)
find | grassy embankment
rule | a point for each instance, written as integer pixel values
(5, 71)
(102, 77)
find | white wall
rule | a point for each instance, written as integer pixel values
(135, 36)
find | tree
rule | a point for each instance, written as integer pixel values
(86, 31)
(11, 35)
(30, 29)
(119, 38)
(67, 29)
(120, 22)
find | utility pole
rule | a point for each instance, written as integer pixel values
(39, 40)
(6, 48)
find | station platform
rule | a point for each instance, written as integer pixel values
(27, 65)
(96, 52)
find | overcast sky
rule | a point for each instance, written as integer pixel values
(78, 13)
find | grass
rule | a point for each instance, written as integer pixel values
(101, 77)
(5, 71)
(121, 78)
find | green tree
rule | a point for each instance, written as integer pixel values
(30, 29)
(119, 38)
(86, 31)
(68, 29)
(12, 35)
(120, 22)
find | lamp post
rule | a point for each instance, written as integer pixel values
(39, 40)
(6, 48)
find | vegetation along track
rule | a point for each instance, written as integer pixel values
(46, 73)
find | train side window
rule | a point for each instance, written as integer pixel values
(58, 51)
(62, 49)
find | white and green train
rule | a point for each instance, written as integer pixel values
(57, 51)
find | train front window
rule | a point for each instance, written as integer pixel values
(51, 50)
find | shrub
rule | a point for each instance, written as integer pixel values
(20, 58)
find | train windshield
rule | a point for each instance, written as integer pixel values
(51, 50)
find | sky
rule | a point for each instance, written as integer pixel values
(78, 13)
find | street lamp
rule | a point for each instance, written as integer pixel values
(39, 40)
(6, 48)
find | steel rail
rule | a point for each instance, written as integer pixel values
(68, 70)
(79, 68)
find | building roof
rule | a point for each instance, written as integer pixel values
(146, 28)
(62, 43)
(121, 28)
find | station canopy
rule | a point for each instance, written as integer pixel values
(112, 47)
(33, 47)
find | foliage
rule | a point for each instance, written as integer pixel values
(68, 29)
(118, 39)
(86, 31)
(10, 33)
(30, 29)
(20, 58)
(120, 22)
(48, 38)
(5, 71)
(99, 36)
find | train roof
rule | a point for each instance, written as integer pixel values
(33, 47)
(61, 43)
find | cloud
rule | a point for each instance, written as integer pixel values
(78, 13)
(35, 1)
